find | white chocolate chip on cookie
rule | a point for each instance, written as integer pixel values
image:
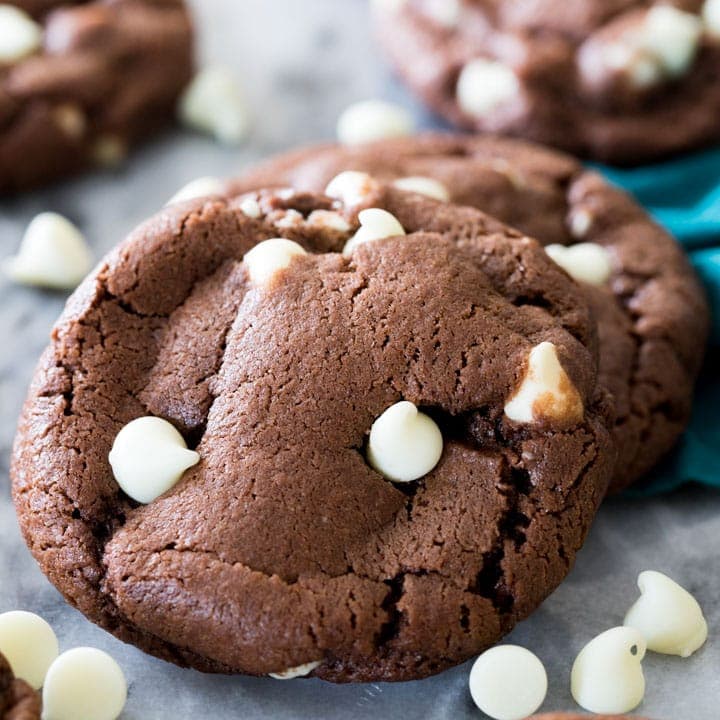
(375, 224)
(213, 104)
(149, 456)
(270, 257)
(20, 35)
(607, 676)
(424, 186)
(351, 187)
(404, 443)
(200, 187)
(29, 645)
(53, 253)
(585, 262)
(546, 392)
(70, 118)
(508, 682)
(373, 120)
(84, 683)
(667, 615)
(296, 672)
(484, 86)
(329, 220)
(711, 17)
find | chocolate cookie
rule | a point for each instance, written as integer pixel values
(652, 313)
(624, 81)
(292, 545)
(82, 81)
(18, 701)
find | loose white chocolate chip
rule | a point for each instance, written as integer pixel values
(424, 186)
(109, 151)
(586, 262)
(711, 16)
(546, 391)
(404, 443)
(607, 676)
(29, 644)
(351, 187)
(20, 35)
(270, 257)
(508, 682)
(375, 224)
(445, 12)
(251, 208)
(148, 457)
(84, 683)
(667, 615)
(328, 219)
(296, 672)
(213, 104)
(70, 118)
(373, 120)
(484, 86)
(53, 253)
(201, 187)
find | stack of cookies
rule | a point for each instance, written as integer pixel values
(351, 414)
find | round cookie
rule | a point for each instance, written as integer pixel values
(281, 550)
(88, 80)
(18, 701)
(623, 81)
(652, 312)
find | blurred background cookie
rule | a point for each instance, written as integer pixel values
(624, 81)
(81, 82)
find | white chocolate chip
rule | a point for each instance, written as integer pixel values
(585, 262)
(607, 676)
(667, 615)
(373, 120)
(29, 645)
(486, 85)
(711, 17)
(508, 682)
(251, 208)
(201, 187)
(404, 444)
(270, 257)
(580, 223)
(289, 219)
(84, 683)
(445, 12)
(53, 253)
(20, 35)
(148, 457)
(109, 151)
(351, 187)
(213, 104)
(546, 392)
(296, 672)
(424, 186)
(328, 219)
(375, 224)
(70, 118)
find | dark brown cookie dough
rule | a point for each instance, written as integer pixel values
(653, 316)
(616, 80)
(108, 74)
(18, 701)
(283, 547)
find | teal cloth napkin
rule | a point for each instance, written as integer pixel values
(684, 196)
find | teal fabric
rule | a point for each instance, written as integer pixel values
(684, 196)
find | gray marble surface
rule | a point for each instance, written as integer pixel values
(301, 62)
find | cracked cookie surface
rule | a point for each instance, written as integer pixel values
(623, 81)
(652, 313)
(104, 75)
(18, 701)
(282, 547)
